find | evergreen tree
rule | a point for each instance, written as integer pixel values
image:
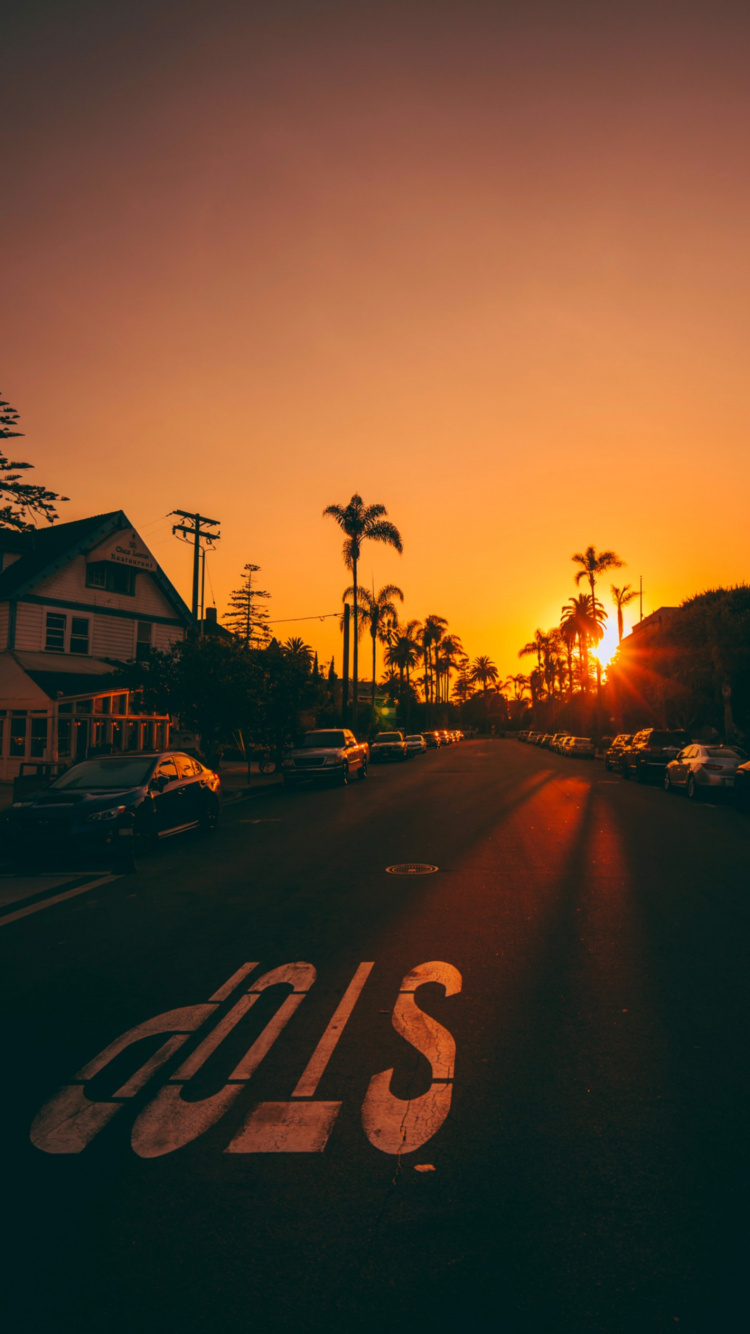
(246, 617)
(20, 502)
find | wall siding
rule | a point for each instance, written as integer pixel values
(69, 584)
(4, 619)
(113, 638)
(29, 627)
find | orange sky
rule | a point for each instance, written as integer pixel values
(486, 263)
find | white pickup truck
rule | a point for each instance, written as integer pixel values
(333, 755)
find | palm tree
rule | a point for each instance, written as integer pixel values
(450, 655)
(299, 650)
(403, 653)
(519, 684)
(536, 645)
(483, 672)
(621, 598)
(593, 563)
(379, 615)
(585, 618)
(432, 633)
(361, 523)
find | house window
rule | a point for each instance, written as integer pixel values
(18, 736)
(115, 578)
(64, 733)
(103, 704)
(143, 641)
(54, 640)
(79, 634)
(38, 738)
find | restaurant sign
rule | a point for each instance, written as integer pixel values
(124, 548)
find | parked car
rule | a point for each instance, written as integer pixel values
(581, 748)
(649, 753)
(330, 755)
(432, 740)
(613, 753)
(416, 744)
(700, 767)
(97, 801)
(388, 746)
(742, 787)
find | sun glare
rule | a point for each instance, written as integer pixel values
(605, 651)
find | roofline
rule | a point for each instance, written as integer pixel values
(112, 522)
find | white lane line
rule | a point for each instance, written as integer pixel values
(57, 898)
(315, 1067)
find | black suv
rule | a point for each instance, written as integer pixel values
(649, 753)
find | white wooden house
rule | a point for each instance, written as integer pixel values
(77, 600)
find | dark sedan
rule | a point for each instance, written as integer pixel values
(113, 800)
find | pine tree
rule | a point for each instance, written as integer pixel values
(20, 502)
(246, 618)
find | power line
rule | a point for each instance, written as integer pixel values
(286, 619)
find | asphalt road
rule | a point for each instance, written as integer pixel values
(582, 1168)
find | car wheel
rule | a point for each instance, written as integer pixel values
(640, 776)
(667, 781)
(362, 772)
(625, 771)
(692, 789)
(344, 776)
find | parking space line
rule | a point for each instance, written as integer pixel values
(57, 898)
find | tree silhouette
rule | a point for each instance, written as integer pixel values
(245, 618)
(361, 523)
(594, 563)
(21, 502)
(622, 597)
(379, 616)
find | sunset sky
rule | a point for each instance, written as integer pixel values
(486, 263)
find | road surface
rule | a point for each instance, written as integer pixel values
(266, 1084)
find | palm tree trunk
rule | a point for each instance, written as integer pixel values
(620, 623)
(374, 643)
(355, 653)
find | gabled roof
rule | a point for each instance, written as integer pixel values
(47, 549)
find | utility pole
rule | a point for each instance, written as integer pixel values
(195, 529)
(345, 679)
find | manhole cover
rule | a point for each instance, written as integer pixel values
(411, 868)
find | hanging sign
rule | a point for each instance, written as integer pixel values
(124, 548)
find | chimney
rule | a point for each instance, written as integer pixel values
(211, 615)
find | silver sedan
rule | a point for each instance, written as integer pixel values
(699, 767)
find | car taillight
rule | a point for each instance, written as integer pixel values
(716, 768)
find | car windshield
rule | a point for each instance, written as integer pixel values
(107, 772)
(416, 737)
(389, 736)
(726, 752)
(323, 740)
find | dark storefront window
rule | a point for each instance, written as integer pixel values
(64, 734)
(18, 736)
(38, 738)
